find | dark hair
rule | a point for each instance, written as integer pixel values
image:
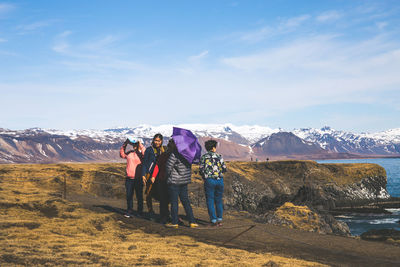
(171, 145)
(210, 144)
(158, 136)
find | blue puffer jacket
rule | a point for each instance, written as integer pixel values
(179, 170)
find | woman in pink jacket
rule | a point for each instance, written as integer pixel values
(133, 181)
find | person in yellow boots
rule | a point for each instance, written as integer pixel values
(179, 172)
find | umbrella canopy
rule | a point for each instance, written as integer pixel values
(187, 144)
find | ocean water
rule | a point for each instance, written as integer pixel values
(359, 224)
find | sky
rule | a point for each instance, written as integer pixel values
(291, 64)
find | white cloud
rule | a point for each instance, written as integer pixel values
(293, 54)
(329, 16)
(318, 70)
(95, 56)
(285, 26)
(257, 35)
(2, 40)
(26, 28)
(5, 8)
(295, 21)
(199, 56)
(287, 74)
(295, 74)
(381, 25)
(101, 43)
(61, 45)
(87, 49)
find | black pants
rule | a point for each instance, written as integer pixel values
(162, 192)
(131, 186)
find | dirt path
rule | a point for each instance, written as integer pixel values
(327, 249)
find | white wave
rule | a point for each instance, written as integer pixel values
(394, 211)
(344, 217)
(384, 221)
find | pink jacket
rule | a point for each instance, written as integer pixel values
(133, 161)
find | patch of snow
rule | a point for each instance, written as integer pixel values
(41, 151)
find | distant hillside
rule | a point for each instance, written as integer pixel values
(283, 143)
(235, 143)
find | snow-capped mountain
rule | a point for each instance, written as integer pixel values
(285, 143)
(381, 143)
(244, 135)
(236, 142)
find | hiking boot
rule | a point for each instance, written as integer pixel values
(128, 214)
(170, 225)
(194, 225)
(164, 220)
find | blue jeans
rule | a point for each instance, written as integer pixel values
(179, 190)
(131, 186)
(214, 189)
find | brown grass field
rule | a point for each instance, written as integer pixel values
(39, 227)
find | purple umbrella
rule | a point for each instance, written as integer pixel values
(187, 144)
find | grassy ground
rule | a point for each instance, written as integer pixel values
(307, 170)
(37, 227)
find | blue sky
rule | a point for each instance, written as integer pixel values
(289, 64)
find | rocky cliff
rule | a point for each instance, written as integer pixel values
(263, 188)
(258, 188)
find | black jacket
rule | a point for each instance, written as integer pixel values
(179, 170)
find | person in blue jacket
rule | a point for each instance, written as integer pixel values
(149, 162)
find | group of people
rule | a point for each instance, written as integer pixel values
(164, 173)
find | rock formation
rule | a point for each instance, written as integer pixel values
(303, 218)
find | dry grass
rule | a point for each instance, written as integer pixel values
(300, 217)
(37, 227)
(306, 171)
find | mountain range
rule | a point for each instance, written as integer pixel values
(38, 145)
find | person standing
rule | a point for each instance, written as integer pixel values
(159, 179)
(179, 175)
(133, 181)
(212, 166)
(149, 162)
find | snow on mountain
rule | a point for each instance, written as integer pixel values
(254, 133)
(387, 142)
(388, 136)
(49, 145)
(240, 134)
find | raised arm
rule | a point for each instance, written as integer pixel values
(122, 153)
